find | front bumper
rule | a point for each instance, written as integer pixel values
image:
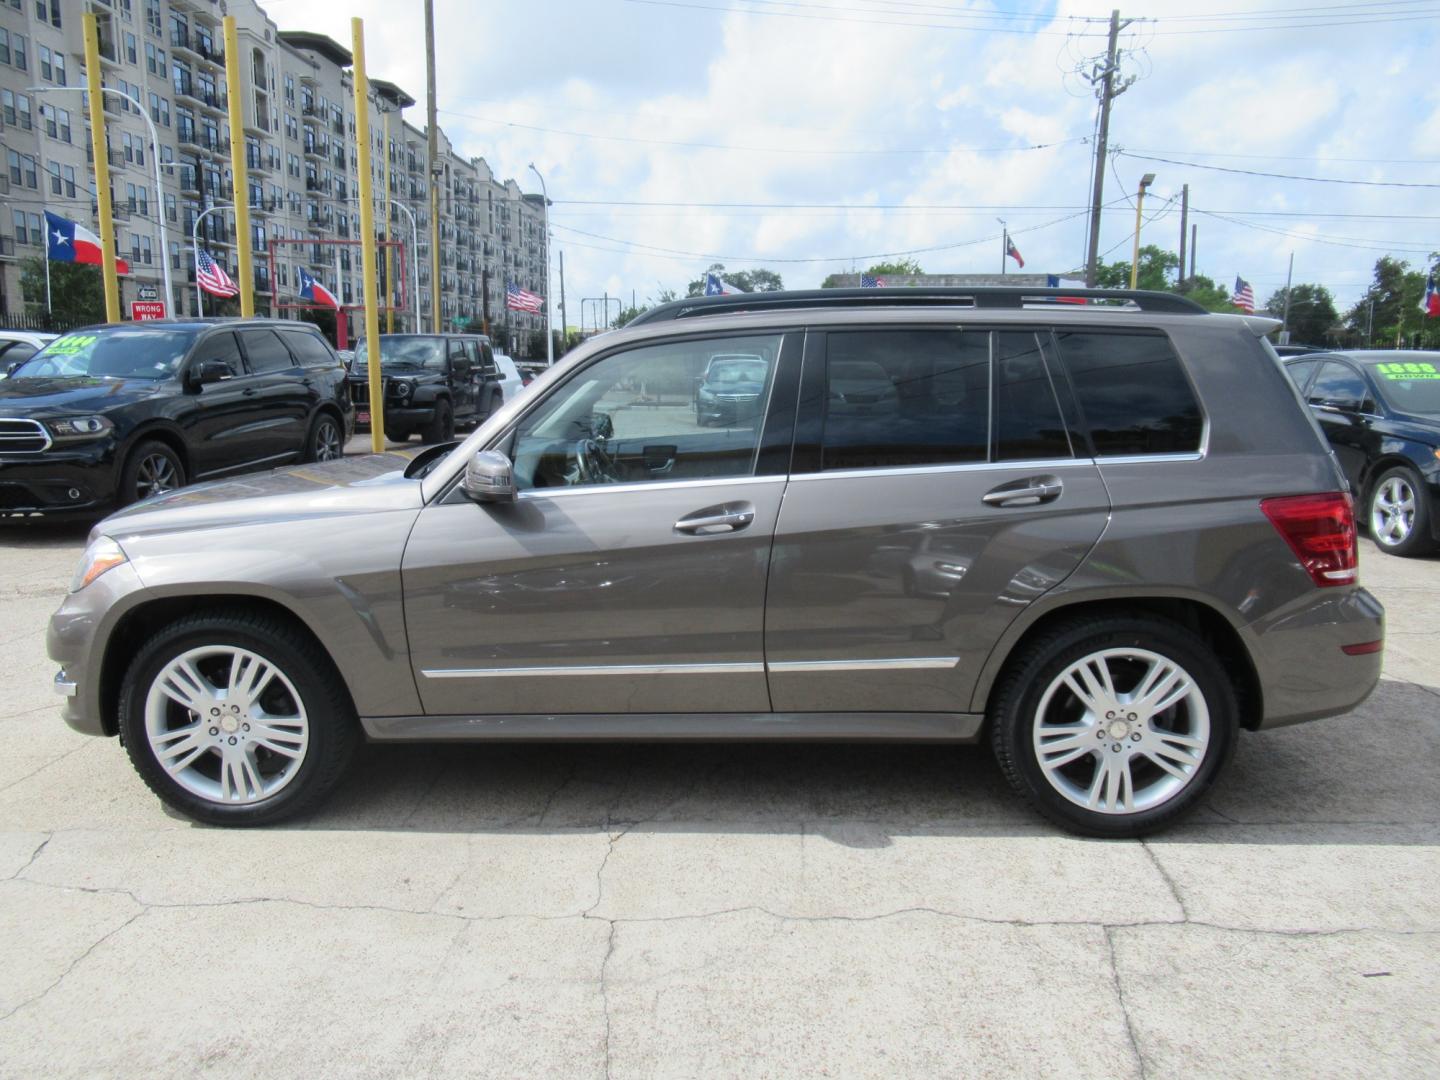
(75, 639)
(396, 417)
(726, 410)
(62, 480)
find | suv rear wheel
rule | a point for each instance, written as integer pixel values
(236, 719)
(1114, 726)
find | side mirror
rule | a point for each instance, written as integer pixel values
(602, 426)
(208, 371)
(489, 478)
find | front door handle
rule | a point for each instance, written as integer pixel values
(1031, 491)
(727, 517)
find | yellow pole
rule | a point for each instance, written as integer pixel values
(236, 92)
(91, 30)
(389, 252)
(1135, 258)
(367, 234)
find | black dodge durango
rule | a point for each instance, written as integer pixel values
(108, 415)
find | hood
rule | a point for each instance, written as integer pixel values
(373, 483)
(45, 397)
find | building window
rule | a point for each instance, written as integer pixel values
(59, 59)
(69, 171)
(45, 70)
(130, 50)
(17, 46)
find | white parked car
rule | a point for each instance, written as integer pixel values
(512, 383)
(17, 346)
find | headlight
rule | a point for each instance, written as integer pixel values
(402, 390)
(80, 427)
(102, 554)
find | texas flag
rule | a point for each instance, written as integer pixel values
(1430, 302)
(67, 241)
(312, 290)
(715, 286)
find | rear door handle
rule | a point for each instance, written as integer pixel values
(727, 517)
(1031, 491)
(249, 391)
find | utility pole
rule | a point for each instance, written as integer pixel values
(435, 171)
(1109, 89)
(485, 300)
(1145, 182)
(564, 329)
(1004, 244)
(1194, 240)
(234, 87)
(1285, 318)
(1184, 228)
(368, 262)
(101, 151)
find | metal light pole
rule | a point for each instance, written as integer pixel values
(549, 335)
(1145, 182)
(235, 91)
(368, 261)
(100, 151)
(415, 248)
(170, 298)
(195, 251)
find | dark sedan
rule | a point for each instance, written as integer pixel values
(1381, 413)
(112, 414)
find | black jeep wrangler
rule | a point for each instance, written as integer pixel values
(431, 383)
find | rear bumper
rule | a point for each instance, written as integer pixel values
(1304, 670)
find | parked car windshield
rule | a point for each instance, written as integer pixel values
(1409, 386)
(118, 353)
(418, 353)
(731, 372)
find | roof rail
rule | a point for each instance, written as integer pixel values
(984, 296)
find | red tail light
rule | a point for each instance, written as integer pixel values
(1320, 529)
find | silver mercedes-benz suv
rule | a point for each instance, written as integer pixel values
(1103, 535)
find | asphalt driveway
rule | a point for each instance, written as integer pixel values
(721, 911)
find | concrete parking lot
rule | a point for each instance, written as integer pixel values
(721, 911)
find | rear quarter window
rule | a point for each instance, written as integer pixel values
(309, 350)
(1133, 392)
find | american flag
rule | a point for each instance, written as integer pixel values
(211, 277)
(1244, 297)
(869, 282)
(518, 299)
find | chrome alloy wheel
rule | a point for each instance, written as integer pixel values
(327, 441)
(155, 475)
(1121, 731)
(1392, 512)
(226, 724)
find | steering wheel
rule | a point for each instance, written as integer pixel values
(593, 464)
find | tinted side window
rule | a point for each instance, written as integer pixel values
(906, 397)
(1300, 371)
(265, 351)
(1133, 392)
(221, 347)
(1339, 385)
(309, 349)
(1028, 423)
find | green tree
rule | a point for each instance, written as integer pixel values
(760, 280)
(903, 268)
(1207, 293)
(1380, 316)
(1158, 269)
(77, 293)
(626, 314)
(1313, 318)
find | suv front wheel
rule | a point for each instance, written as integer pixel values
(1114, 726)
(236, 719)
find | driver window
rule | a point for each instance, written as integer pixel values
(1341, 386)
(683, 410)
(221, 347)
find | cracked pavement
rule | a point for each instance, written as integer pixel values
(625, 911)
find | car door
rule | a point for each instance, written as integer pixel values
(462, 377)
(1343, 405)
(488, 377)
(224, 423)
(937, 489)
(284, 394)
(615, 583)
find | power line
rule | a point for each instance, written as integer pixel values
(1296, 157)
(764, 149)
(841, 19)
(1275, 176)
(1357, 242)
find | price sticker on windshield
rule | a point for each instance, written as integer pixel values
(1404, 372)
(72, 343)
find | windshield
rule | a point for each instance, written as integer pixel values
(405, 352)
(1409, 386)
(119, 353)
(738, 371)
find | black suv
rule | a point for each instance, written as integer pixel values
(111, 414)
(431, 382)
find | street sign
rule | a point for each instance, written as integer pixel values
(140, 310)
(149, 292)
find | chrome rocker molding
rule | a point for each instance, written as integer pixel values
(741, 668)
(681, 727)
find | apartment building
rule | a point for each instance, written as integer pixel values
(166, 57)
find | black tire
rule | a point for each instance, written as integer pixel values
(497, 402)
(326, 441)
(1417, 538)
(442, 426)
(1020, 692)
(145, 472)
(398, 436)
(333, 731)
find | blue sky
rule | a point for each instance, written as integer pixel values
(873, 126)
